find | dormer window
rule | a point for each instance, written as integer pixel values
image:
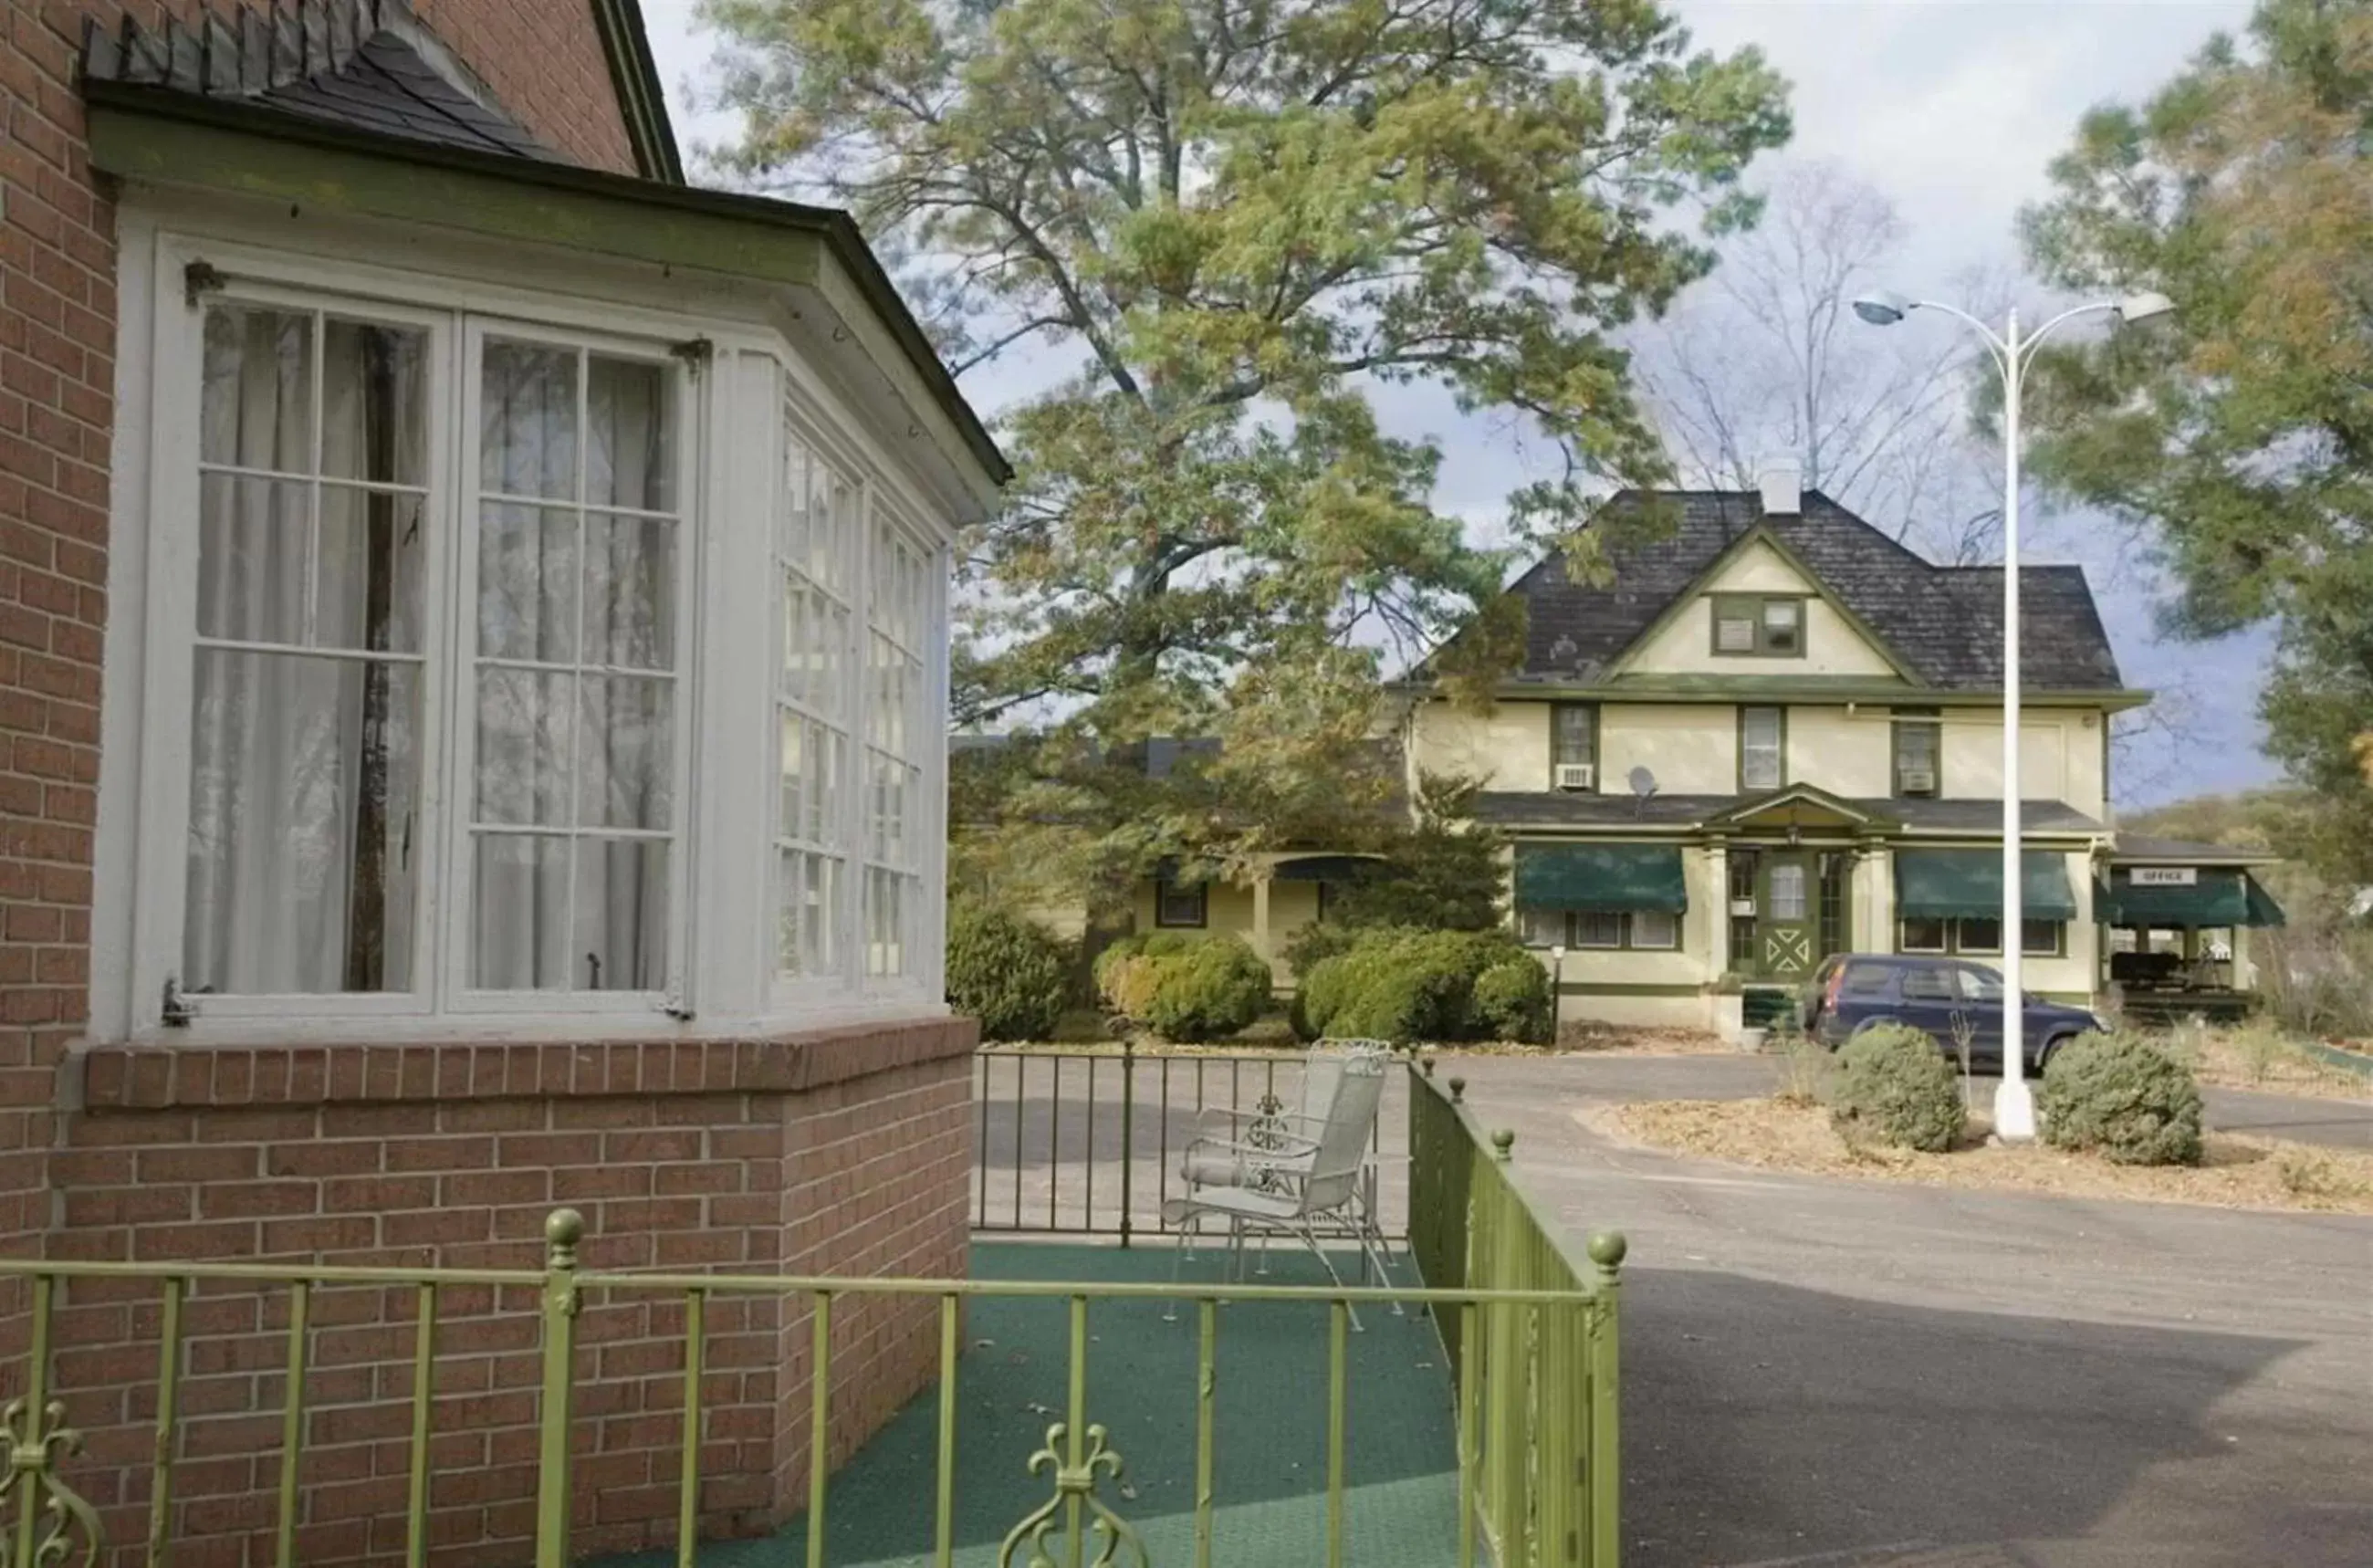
(1769, 625)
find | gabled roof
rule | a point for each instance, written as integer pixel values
(366, 64)
(1944, 622)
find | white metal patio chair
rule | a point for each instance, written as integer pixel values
(1319, 1191)
(1270, 1147)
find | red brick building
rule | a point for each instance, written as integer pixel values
(472, 670)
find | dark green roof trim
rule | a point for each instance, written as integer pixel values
(1830, 690)
(227, 147)
(642, 96)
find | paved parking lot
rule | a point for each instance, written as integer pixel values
(1856, 1375)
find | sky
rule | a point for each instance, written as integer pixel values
(1954, 109)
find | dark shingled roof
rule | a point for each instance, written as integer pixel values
(366, 64)
(1552, 808)
(1945, 622)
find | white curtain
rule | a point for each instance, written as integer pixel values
(304, 769)
(572, 593)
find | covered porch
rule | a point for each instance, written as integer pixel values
(2177, 918)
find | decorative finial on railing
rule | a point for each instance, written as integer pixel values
(562, 1231)
(1428, 1065)
(1503, 1144)
(1458, 1088)
(1606, 1249)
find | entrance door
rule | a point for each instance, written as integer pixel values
(1784, 933)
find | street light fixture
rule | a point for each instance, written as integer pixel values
(2012, 354)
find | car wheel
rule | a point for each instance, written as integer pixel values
(2045, 1052)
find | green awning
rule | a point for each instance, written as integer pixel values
(1601, 877)
(2216, 896)
(1327, 868)
(1942, 883)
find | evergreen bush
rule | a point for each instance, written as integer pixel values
(1011, 974)
(2120, 1097)
(1513, 1002)
(1209, 991)
(1893, 1086)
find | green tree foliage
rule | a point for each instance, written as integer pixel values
(1012, 974)
(1406, 986)
(1442, 872)
(1226, 224)
(2242, 430)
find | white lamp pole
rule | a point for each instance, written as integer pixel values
(2014, 1101)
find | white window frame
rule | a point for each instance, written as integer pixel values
(692, 454)
(721, 658)
(1672, 932)
(177, 361)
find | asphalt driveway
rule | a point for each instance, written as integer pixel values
(1855, 1375)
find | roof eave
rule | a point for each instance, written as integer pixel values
(118, 150)
(642, 96)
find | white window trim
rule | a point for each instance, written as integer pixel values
(140, 896)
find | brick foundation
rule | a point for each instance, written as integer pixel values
(846, 1153)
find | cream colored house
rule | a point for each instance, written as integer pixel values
(1778, 736)
(1775, 737)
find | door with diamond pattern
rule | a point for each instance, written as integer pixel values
(1783, 936)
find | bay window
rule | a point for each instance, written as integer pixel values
(433, 643)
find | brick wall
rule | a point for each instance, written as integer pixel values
(57, 378)
(842, 1154)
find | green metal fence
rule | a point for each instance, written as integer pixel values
(1086, 1141)
(1532, 1336)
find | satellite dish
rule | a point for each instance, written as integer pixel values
(1643, 783)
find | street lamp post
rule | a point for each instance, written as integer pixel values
(2012, 354)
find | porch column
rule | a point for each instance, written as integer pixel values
(1718, 937)
(1260, 917)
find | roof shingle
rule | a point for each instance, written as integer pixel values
(1945, 622)
(369, 64)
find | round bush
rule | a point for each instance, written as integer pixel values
(1122, 981)
(1893, 1086)
(2123, 1098)
(1403, 986)
(1010, 972)
(1314, 944)
(1209, 990)
(1512, 1002)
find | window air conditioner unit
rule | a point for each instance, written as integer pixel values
(1919, 780)
(1576, 776)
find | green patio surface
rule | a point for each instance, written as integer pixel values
(1270, 1429)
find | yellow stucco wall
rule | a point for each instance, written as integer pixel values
(1507, 748)
(1692, 748)
(1686, 646)
(2060, 756)
(1847, 754)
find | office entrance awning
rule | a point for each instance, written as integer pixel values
(2183, 898)
(1947, 884)
(1601, 877)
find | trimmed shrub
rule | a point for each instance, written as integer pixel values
(1402, 986)
(1012, 974)
(1512, 1002)
(2123, 1098)
(1893, 1086)
(1124, 975)
(1314, 944)
(1208, 992)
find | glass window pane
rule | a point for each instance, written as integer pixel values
(1923, 935)
(791, 516)
(527, 421)
(2039, 936)
(525, 761)
(255, 409)
(625, 739)
(252, 545)
(808, 891)
(630, 567)
(792, 778)
(1655, 928)
(520, 937)
(375, 402)
(1597, 927)
(372, 553)
(302, 854)
(1787, 893)
(1977, 986)
(1540, 928)
(1780, 614)
(1980, 934)
(1735, 634)
(630, 461)
(621, 925)
(527, 583)
(1575, 727)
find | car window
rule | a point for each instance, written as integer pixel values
(1927, 984)
(1976, 985)
(1865, 979)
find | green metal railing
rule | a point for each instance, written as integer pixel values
(1532, 1338)
(1087, 1141)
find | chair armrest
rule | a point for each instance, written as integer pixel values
(1288, 1147)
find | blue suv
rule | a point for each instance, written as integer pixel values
(1939, 997)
